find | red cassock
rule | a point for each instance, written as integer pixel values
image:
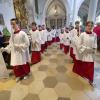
(42, 48)
(61, 45)
(46, 44)
(72, 54)
(49, 43)
(21, 70)
(66, 49)
(88, 70)
(57, 39)
(84, 69)
(36, 57)
(77, 68)
(53, 40)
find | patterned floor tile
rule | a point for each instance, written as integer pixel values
(36, 87)
(43, 67)
(52, 79)
(63, 90)
(32, 97)
(48, 94)
(61, 69)
(50, 82)
(5, 95)
(28, 81)
(63, 98)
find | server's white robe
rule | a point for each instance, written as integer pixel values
(49, 36)
(53, 32)
(18, 45)
(45, 35)
(66, 39)
(77, 45)
(36, 40)
(61, 36)
(73, 34)
(88, 46)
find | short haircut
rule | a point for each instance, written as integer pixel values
(34, 23)
(89, 22)
(15, 19)
(77, 22)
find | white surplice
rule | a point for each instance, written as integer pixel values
(45, 35)
(61, 36)
(36, 40)
(88, 46)
(49, 36)
(18, 45)
(66, 39)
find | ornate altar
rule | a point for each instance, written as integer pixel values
(20, 12)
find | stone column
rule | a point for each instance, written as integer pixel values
(92, 10)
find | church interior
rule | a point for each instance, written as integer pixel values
(51, 74)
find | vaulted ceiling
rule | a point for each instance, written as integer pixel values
(83, 11)
(58, 6)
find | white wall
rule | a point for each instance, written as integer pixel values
(7, 9)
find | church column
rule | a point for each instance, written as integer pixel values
(92, 10)
(75, 12)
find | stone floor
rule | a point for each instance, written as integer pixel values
(52, 79)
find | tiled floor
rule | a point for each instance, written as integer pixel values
(52, 79)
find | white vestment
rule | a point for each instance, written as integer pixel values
(66, 38)
(49, 36)
(88, 46)
(45, 35)
(53, 32)
(61, 36)
(18, 45)
(36, 40)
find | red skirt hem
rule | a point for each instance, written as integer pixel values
(21, 70)
(61, 46)
(36, 57)
(66, 49)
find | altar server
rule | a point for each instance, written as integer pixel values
(66, 39)
(35, 44)
(61, 36)
(87, 50)
(18, 45)
(73, 33)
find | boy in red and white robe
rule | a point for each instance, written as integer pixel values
(73, 34)
(35, 44)
(61, 36)
(87, 50)
(66, 38)
(18, 45)
(44, 30)
(49, 36)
